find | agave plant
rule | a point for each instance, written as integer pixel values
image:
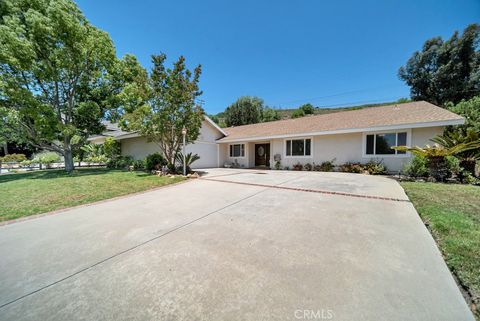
(189, 159)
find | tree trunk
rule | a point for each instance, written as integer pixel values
(68, 155)
(5, 149)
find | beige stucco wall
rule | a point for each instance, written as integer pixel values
(243, 162)
(138, 147)
(205, 146)
(341, 147)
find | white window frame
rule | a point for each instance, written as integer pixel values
(298, 138)
(244, 150)
(374, 155)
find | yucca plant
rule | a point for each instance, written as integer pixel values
(189, 159)
(436, 155)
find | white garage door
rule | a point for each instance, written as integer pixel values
(207, 152)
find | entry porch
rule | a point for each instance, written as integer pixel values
(255, 154)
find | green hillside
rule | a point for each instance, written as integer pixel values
(286, 113)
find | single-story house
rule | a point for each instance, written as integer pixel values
(348, 136)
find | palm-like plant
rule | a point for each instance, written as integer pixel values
(471, 138)
(436, 154)
(189, 159)
(437, 150)
(94, 153)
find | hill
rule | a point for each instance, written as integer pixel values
(286, 113)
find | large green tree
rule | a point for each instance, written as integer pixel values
(470, 110)
(163, 105)
(445, 71)
(54, 73)
(246, 110)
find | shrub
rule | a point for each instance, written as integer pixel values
(417, 167)
(468, 178)
(97, 159)
(307, 167)
(375, 168)
(297, 113)
(278, 165)
(47, 158)
(155, 162)
(308, 109)
(13, 158)
(26, 163)
(138, 165)
(326, 166)
(121, 162)
(453, 166)
(172, 168)
(94, 153)
(443, 167)
(111, 148)
(297, 167)
(352, 168)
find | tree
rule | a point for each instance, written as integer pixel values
(466, 133)
(166, 106)
(470, 110)
(54, 73)
(270, 114)
(308, 109)
(297, 113)
(445, 71)
(8, 133)
(246, 110)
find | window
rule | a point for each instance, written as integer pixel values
(401, 141)
(298, 147)
(381, 144)
(237, 150)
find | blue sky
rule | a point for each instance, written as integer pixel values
(328, 53)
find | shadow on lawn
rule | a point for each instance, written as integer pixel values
(55, 173)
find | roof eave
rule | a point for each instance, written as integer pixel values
(459, 121)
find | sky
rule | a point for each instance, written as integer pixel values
(328, 53)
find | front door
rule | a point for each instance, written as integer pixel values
(262, 155)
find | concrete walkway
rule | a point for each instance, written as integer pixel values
(232, 247)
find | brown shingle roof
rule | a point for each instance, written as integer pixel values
(391, 115)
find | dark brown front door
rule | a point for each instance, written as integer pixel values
(262, 155)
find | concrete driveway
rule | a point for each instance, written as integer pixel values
(234, 245)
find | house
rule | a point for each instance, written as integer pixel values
(349, 136)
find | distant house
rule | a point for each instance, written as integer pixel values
(348, 136)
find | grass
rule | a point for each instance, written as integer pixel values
(452, 213)
(25, 194)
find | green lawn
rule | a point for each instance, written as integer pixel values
(42, 191)
(453, 214)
